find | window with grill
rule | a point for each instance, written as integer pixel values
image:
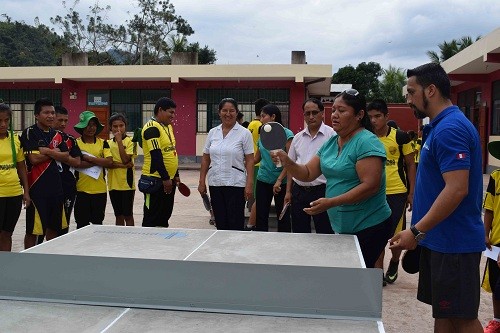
(207, 104)
(137, 105)
(22, 103)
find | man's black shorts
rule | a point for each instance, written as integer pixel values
(43, 213)
(450, 282)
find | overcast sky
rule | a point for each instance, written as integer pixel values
(336, 32)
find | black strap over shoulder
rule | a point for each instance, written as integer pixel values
(402, 137)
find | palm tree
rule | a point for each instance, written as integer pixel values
(178, 43)
(391, 87)
(449, 49)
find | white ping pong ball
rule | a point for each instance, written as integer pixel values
(267, 128)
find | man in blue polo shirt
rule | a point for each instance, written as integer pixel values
(446, 219)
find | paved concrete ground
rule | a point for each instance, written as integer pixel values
(401, 311)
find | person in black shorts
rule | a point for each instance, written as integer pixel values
(68, 172)
(446, 219)
(45, 150)
(121, 178)
(12, 175)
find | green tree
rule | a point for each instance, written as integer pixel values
(345, 74)
(90, 36)
(391, 86)
(148, 37)
(206, 55)
(25, 45)
(363, 78)
(449, 49)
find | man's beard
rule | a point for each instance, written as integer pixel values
(418, 113)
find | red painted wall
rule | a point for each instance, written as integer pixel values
(402, 114)
(297, 97)
(183, 93)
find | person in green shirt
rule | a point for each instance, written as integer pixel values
(353, 163)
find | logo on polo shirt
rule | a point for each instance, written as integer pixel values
(461, 156)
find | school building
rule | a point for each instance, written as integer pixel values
(475, 78)
(197, 90)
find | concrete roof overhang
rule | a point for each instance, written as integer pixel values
(317, 78)
(476, 61)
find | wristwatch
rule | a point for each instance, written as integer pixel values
(419, 235)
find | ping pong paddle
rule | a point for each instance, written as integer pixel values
(411, 260)
(273, 137)
(185, 191)
(208, 206)
(283, 211)
(206, 202)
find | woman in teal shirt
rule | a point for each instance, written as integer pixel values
(353, 163)
(271, 180)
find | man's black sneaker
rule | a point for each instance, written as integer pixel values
(392, 272)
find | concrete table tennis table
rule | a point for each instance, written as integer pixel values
(119, 279)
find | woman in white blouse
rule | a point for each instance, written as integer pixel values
(228, 162)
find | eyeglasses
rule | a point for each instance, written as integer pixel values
(309, 113)
(352, 92)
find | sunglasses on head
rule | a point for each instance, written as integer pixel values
(352, 92)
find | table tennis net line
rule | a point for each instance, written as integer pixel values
(128, 309)
(206, 240)
(116, 319)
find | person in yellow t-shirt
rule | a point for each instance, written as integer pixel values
(121, 180)
(91, 192)
(160, 164)
(491, 205)
(399, 170)
(13, 179)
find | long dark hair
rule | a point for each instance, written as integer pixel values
(6, 109)
(271, 109)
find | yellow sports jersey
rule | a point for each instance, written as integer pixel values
(86, 183)
(121, 179)
(417, 145)
(394, 165)
(253, 127)
(10, 186)
(491, 202)
(155, 135)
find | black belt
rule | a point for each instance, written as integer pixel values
(311, 188)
